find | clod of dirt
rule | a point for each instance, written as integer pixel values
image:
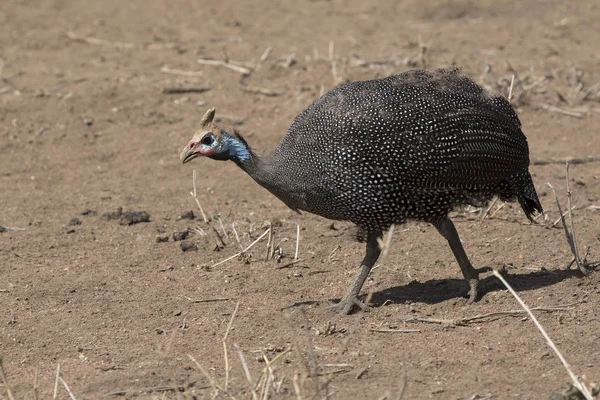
(89, 212)
(87, 121)
(187, 215)
(188, 246)
(177, 236)
(74, 221)
(162, 239)
(127, 217)
(2, 229)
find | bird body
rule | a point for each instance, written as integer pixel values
(381, 152)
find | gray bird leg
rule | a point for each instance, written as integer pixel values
(350, 300)
(446, 228)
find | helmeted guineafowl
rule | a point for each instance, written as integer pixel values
(381, 152)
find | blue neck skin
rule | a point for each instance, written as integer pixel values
(237, 150)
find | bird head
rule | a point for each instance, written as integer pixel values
(214, 142)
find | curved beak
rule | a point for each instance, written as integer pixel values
(187, 154)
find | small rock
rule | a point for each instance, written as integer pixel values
(187, 215)
(71, 230)
(188, 246)
(177, 236)
(2, 229)
(127, 217)
(134, 217)
(87, 121)
(74, 221)
(87, 211)
(162, 239)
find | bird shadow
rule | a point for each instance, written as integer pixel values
(438, 290)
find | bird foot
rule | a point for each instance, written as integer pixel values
(347, 304)
(475, 286)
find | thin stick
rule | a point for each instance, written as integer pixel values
(549, 341)
(173, 71)
(208, 300)
(219, 63)
(237, 237)
(213, 383)
(246, 372)
(484, 317)
(570, 160)
(297, 241)
(245, 250)
(194, 195)
(286, 265)
(404, 383)
(260, 90)
(56, 381)
(5, 381)
(265, 55)
(551, 108)
(570, 211)
(119, 45)
(385, 245)
(395, 330)
(71, 395)
(510, 90)
(188, 89)
(223, 228)
(487, 211)
(35, 384)
(498, 209)
(564, 224)
(225, 354)
(332, 61)
(269, 242)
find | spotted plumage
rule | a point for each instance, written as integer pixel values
(411, 146)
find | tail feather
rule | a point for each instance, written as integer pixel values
(526, 194)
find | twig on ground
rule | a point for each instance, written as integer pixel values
(173, 71)
(245, 250)
(487, 317)
(5, 381)
(570, 160)
(286, 265)
(246, 372)
(71, 395)
(207, 300)
(580, 263)
(297, 241)
(577, 113)
(35, 384)
(226, 64)
(4, 291)
(510, 90)
(487, 211)
(56, 381)
(404, 383)
(119, 45)
(189, 89)
(237, 237)
(225, 354)
(385, 245)
(394, 330)
(210, 379)
(260, 90)
(195, 196)
(332, 62)
(584, 390)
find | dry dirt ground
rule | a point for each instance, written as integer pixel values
(86, 127)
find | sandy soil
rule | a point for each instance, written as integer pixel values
(86, 128)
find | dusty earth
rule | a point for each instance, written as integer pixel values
(88, 125)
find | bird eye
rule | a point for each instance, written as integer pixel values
(207, 140)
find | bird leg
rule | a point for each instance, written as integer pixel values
(446, 228)
(350, 300)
